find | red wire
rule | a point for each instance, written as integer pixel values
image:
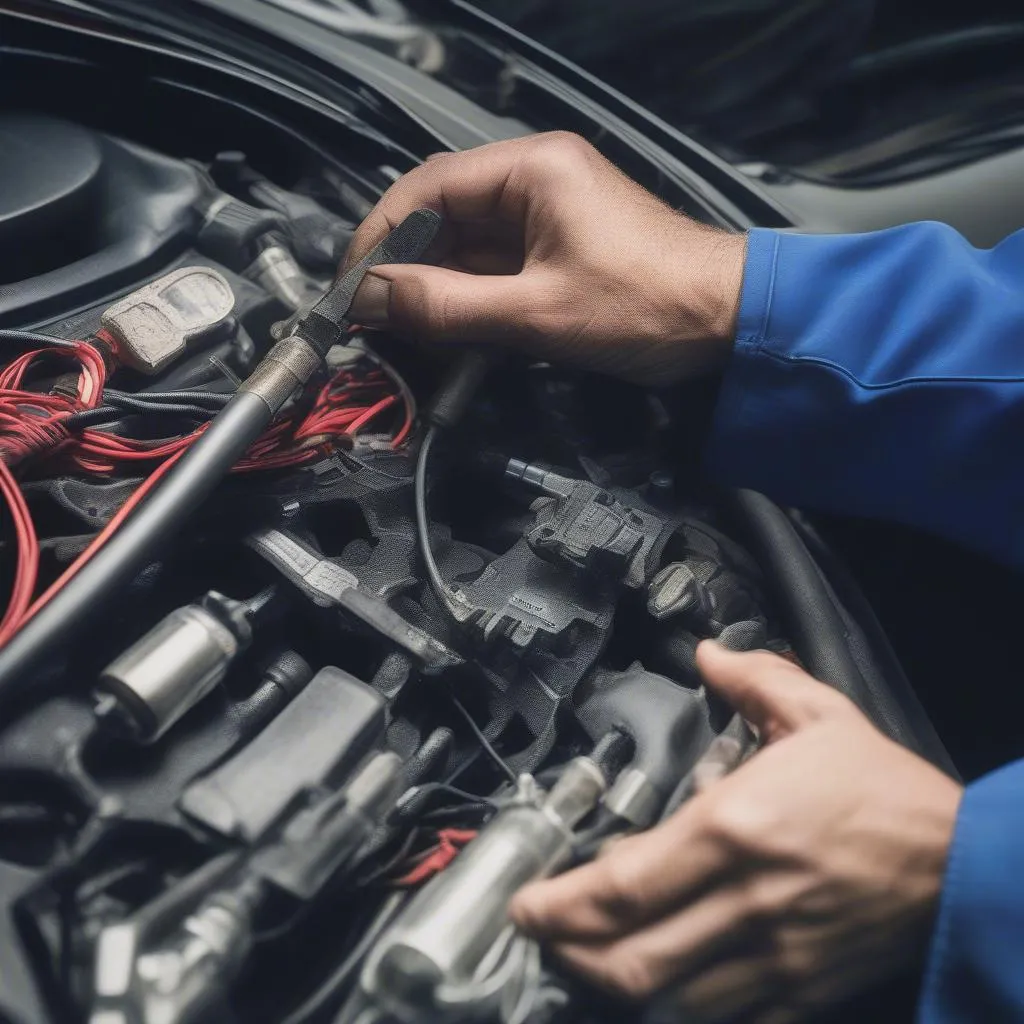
(31, 423)
(27, 569)
(384, 403)
(103, 536)
(436, 859)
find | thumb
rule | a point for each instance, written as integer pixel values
(432, 304)
(773, 694)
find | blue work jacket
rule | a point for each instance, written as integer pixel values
(882, 375)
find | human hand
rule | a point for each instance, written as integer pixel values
(550, 248)
(809, 873)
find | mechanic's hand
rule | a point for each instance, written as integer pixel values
(548, 247)
(810, 872)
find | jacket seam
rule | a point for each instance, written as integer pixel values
(843, 371)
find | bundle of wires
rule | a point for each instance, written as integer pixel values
(61, 422)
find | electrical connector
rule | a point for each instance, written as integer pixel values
(155, 325)
(586, 526)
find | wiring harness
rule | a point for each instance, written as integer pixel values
(75, 422)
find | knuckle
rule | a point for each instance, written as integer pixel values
(554, 307)
(560, 153)
(417, 308)
(762, 903)
(733, 821)
(620, 893)
(838, 703)
(630, 975)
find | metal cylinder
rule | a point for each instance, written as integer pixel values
(175, 665)
(449, 927)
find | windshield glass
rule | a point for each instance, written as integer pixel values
(850, 90)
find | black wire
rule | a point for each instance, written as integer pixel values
(587, 844)
(331, 987)
(170, 403)
(483, 740)
(90, 417)
(444, 816)
(7, 334)
(194, 397)
(413, 808)
(130, 403)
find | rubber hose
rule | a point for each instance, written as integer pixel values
(139, 540)
(809, 611)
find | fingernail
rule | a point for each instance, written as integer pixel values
(372, 301)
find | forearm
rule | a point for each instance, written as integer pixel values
(882, 375)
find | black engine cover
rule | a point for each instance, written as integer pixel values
(83, 215)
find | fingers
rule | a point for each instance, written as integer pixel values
(638, 880)
(472, 185)
(665, 952)
(737, 989)
(769, 692)
(439, 304)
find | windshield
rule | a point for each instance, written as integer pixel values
(850, 90)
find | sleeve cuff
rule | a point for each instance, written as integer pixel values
(974, 969)
(758, 284)
(733, 450)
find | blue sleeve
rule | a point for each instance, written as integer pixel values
(975, 972)
(882, 375)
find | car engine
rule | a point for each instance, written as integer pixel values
(432, 637)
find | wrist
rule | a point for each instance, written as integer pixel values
(722, 286)
(706, 285)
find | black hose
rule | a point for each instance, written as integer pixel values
(429, 757)
(810, 613)
(884, 659)
(136, 543)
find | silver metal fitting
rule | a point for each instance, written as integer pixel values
(441, 942)
(634, 799)
(284, 369)
(173, 667)
(276, 271)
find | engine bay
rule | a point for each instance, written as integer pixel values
(400, 661)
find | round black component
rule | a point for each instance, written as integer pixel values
(49, 177)
(84, 216)
(661, 486)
